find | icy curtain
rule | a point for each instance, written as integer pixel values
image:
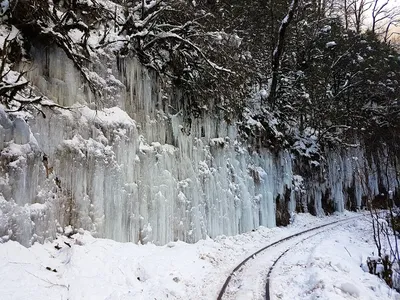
(130, 167)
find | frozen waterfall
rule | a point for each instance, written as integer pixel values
(131, 168)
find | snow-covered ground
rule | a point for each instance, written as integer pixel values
(326, 266)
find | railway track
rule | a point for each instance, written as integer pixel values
(237, 270)
(268, 282)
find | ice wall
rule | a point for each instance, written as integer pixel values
(136, 169)
(348, 178)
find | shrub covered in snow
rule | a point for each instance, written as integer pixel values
(386, 264)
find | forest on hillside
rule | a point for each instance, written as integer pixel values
(307, 73)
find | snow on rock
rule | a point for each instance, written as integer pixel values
(68, 230)
(326, 28)
(4, 7)
(330, 44)
(298, 183)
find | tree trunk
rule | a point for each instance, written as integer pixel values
(276, 55)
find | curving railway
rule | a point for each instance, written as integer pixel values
(236, 287)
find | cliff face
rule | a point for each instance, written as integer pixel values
(130, 166)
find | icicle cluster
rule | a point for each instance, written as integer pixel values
(137, 171)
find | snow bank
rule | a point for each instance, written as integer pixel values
(83, 267)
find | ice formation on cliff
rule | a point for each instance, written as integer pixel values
(132, 169)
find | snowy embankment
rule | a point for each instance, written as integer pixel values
(83, 267)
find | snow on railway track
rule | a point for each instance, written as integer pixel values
(101, 269)
(328, 267)
(248, 279)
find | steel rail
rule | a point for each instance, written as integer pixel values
(267, 284)
(252, 256)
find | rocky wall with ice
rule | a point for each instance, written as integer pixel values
(130, 166)
(347, 179)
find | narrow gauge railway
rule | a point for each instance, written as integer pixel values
(239, 268)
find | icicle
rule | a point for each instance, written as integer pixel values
(144, 173)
